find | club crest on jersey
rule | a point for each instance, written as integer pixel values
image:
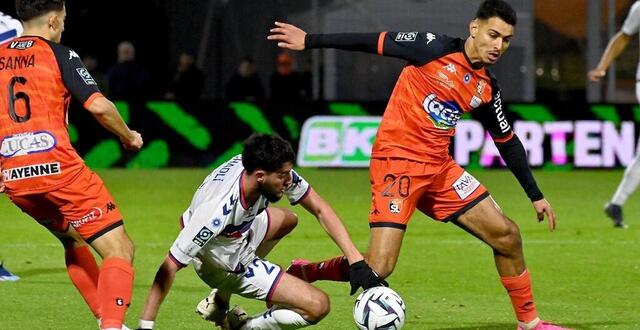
(27, 143)
(216, 222)
(467, 78)
(395, 206)
(443, 114)
(86, 76)
(406, 36)
(21, 45)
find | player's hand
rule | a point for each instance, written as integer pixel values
(543, 208)
(133, 143)
(1, 181)
(288, 36)
(596, 74)
(361, 275)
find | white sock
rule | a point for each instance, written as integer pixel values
(529, 325)
(629, 183)
(284, 319)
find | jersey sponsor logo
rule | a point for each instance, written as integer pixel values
(406, 36)
(31, 171)
(86, 76)
(430, 37)
(451, 68)
(73, 54)
(203, 236)
(27, 143)
(443, 114)
(94, 214)
(17, 62)
(475, 102)
(395, 206)
(444, 80)
(465, 185)
(502, 119)
(21, 45)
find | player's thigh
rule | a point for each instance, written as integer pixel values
(384, 249)
(298, 294)
(486, 221)
(88, 206)
(281, 222)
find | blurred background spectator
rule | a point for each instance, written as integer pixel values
(245, 84)
(188, 79)
(127, 79)
(288, 85)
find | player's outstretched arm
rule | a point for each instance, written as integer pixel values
(616, 45)
(159, 289)
(108, 116)
(360, 274)
(288, 36)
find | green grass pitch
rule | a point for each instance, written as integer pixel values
(586, 275)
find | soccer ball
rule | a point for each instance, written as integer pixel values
(379, 308)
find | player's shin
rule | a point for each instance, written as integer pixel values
(84, 273)
(114, 291)
(519, 289)
(334, 269)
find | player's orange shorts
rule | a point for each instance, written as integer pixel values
(84, 204)
(441, 190)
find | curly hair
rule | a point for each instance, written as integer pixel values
(266, 152)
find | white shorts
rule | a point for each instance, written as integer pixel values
(257, 279)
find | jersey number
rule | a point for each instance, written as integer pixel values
(17, 96)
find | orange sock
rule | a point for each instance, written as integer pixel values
(114, 290)
(83, 271)
(519, 289)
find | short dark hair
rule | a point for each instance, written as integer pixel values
(497, 8)
(30, 9)
(268, 152)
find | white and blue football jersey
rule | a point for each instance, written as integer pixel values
(219, 227)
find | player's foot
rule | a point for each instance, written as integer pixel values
(298, 268)
(237, 317)
(614, 212)
(542, 325)
(6, 275)
(214, 308)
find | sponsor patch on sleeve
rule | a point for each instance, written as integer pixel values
(203, 236)
(406, 36)
(465, 185)
(86, 76)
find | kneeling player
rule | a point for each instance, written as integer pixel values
(229, 228)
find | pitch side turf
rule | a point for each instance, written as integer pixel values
(586, 275)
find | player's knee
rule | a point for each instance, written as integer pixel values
(510, 239)
(290, 221)
(319, 307)
(383, 268)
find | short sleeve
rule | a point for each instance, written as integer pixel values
(75, 76)
(632, 22)
(298, 189)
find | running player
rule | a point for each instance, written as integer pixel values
(631, 179)
(228, 230)
(43, 174)
(411, 167)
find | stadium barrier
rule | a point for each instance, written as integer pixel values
(338, 134)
